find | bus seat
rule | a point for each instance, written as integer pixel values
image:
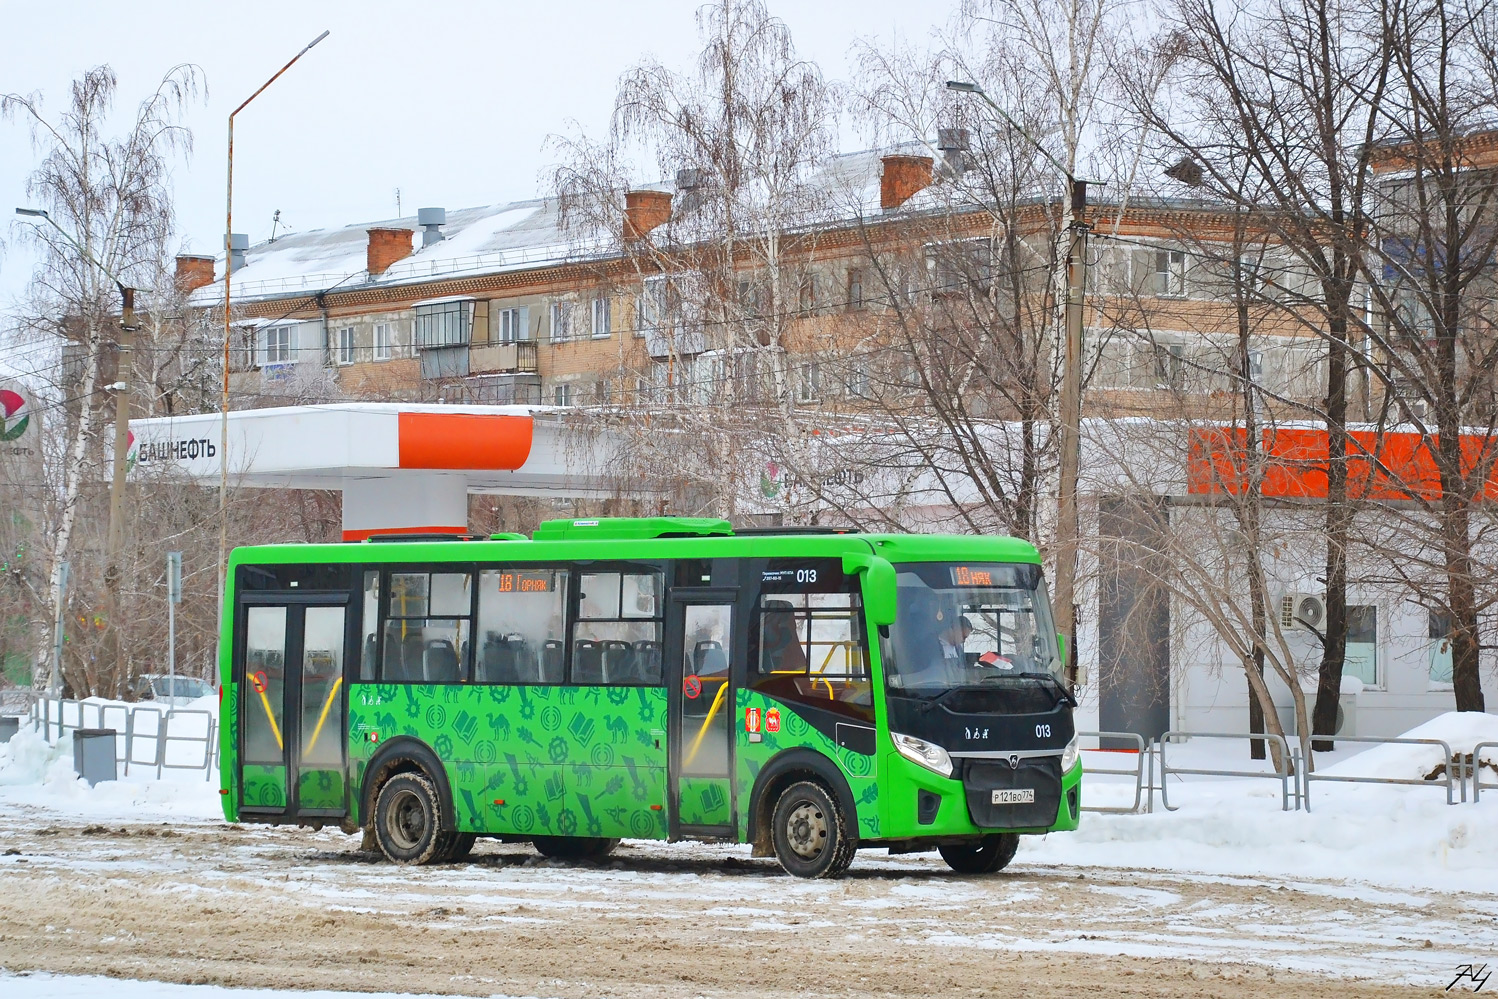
(439, 662)
(618, 662)
(700, 655)
(587, 661)
(553, 657)
(647, 662)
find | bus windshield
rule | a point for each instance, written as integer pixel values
(970, 625)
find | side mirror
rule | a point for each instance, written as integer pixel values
(878, 586)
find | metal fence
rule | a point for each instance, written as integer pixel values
(1144, 760)
(1284, 772)
(144, 735)
(1450, 762)
(1295, 781)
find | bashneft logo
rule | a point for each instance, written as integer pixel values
(16, 416)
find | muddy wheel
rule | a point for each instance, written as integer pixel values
(408, 820)
(985, 856)
(459, 845)
(812, 837)
(574, 847)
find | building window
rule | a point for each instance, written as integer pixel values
(601, 327)
(382, 342)
(809, 382)
(1170, 273)
(275, 345)
(602, 393)
(561, 320)
(514, 325)
(858, 379)
(346, 345)
(1361, 658)
(651, 313)
(855, 289)
(563, 394)
(444, 324)
(1170, 366)
(1439, 632)
(808, 302)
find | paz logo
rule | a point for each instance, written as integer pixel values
(16, 415)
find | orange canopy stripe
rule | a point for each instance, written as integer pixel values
(464, 441)
(1380, 466)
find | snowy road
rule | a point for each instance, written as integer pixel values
(198, 901)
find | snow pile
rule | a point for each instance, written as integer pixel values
(1389, 834)
(37, 773)
(29, 759)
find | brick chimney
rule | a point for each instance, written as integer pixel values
(903, 176)
(193, 272)
(644, 210)
(386, 246)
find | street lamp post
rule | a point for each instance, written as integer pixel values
(223, 435)
(1067, 519)
(121, 389)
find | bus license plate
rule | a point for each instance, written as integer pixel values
(1014, 796)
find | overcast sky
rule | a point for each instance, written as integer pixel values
(450, 102)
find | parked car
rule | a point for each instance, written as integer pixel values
(173, 690)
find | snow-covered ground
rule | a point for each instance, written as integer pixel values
(1388, 882)
(45, 986)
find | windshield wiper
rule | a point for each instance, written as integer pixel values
(1040, 677)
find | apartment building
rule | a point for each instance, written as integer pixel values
(513, 303)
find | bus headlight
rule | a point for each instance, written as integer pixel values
(928, 755)
(1069, 755)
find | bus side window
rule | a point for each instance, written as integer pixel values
(617, 637)
(811, 650)
(427, 628)
(521, 626)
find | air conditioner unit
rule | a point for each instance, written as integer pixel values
(1302, 611)
(1347, 715)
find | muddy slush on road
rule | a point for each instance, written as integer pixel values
(204, 902)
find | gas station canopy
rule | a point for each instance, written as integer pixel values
(402, 468)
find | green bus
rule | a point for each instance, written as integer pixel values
(809, 692)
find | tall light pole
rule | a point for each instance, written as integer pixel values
(121, 389)
(223, 431)
(1067, 520)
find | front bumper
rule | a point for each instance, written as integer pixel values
(965, 800)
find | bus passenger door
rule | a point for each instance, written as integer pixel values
(293, 708)
(700, 644)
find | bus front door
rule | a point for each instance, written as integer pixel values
(699, 648)
(293, 709)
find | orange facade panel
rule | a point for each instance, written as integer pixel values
(1380, 466)
(464, 441)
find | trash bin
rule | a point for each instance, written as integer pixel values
(9, 726)
(93, 754)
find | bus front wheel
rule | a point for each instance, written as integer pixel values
(986, 856)
(408, 820)
(812, 837)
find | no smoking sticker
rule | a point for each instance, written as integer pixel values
(691, 687)
(258, 680)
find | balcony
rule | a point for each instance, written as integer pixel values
(495, 390)
(517, 357)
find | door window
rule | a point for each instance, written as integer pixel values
(705, 704)
(322, 676)
(264, 687)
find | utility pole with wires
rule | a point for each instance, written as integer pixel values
(1068, 520)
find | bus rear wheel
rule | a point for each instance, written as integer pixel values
(408, 820)
(812, 837)
(986, 856)
(574, 847)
